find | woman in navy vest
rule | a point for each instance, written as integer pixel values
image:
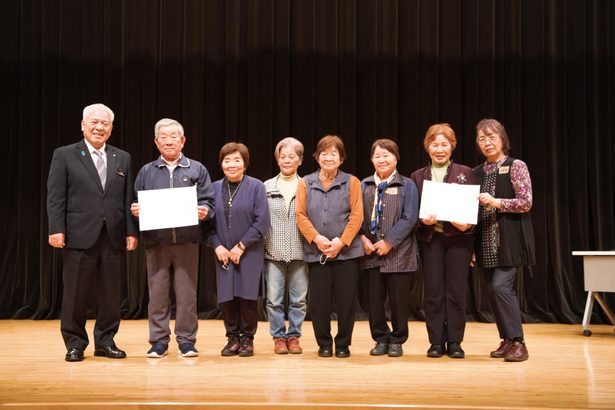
(505, 237)
(329, 215)
(446, 250)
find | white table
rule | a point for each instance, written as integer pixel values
(599, 274)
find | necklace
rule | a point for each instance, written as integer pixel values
(232, 196)
(326, 179)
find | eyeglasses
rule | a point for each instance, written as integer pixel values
(332, 155)
(492, 138)
(163, 138)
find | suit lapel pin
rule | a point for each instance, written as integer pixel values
(82, 153)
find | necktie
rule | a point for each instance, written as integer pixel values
(101, 167)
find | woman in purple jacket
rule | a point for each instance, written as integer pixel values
(242, 219)
(445, 249)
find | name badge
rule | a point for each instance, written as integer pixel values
(391, 190)
(504, 170)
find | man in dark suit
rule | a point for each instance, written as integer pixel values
(89, 191)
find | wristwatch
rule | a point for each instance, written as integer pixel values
(241, 246)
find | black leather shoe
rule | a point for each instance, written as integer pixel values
(112, 352)
(231, 348)
(74, 354)
(395, 350)
(246, 348)
(454, 351)
(436, 351)
(342, 352)
(325, 351)
(379, 350)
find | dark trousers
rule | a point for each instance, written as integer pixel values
(397, 286)
(446, 261)
(334, 282)
(504, 300)
(240, 317)
(97, 271)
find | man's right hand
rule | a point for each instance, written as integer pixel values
(134, 209)
(56, 240)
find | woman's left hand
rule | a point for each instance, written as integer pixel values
(382, 247)
(487, 200)
(235, 254)
(335, 246)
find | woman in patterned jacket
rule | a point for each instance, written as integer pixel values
(284, 265)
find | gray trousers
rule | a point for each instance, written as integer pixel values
(504, 302)
(173, 265)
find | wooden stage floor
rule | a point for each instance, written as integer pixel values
(565, 370)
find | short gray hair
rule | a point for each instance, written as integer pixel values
(292, 143)
(87, 111)
(166, 122)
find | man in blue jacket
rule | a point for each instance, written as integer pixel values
(172, 254)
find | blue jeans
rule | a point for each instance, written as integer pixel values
(278, 275)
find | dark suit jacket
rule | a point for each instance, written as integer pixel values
(78, 206)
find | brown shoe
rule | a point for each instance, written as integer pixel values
(500, 352)
(293, 345)
(247, 347)
(280, 345)
(231, 348)
(517, 353)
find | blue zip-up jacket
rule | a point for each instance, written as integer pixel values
(188, 172)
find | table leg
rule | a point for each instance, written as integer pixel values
(589, 306)
(606, 309)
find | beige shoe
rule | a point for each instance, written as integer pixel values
(280, 346)
(293, 345)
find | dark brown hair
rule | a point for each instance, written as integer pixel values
(231, 148)
(386, 144)
(327, 142)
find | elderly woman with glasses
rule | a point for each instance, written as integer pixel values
(242, 220)
(390, 204)
(505, 235)
(329, 215)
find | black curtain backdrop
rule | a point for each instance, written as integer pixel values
(259, 70)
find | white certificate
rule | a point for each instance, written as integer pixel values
(450, 202)
(168, 208)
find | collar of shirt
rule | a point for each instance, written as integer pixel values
(492, 166)
(92, 149)
(181, 162)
